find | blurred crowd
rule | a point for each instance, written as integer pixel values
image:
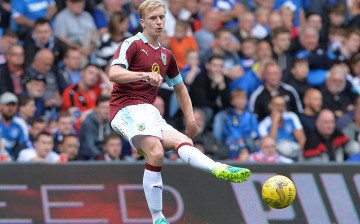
(270, 80)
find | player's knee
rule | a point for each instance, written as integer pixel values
(156, 154)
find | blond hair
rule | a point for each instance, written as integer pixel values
(149, 6)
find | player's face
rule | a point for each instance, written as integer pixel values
(153, 22)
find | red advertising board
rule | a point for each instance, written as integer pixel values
(112, 193)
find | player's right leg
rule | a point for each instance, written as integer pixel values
(151, 148)
(135, 123)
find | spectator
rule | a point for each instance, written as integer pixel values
(94, 129)
(112, 148)
(350, 46)
(281, 40)
(315, 21)
(319, 58)
(275, 21)
(12, 72)
(181, 43)
(102, 13)
(69, 147)
(192, 67)
(246, 23)
(337, 15)
(336, 38)
(134, 17)
(354, 17)
(42, 37)
(26, 111)
(241, 126)
(261, 30)
(285, 127)
(263, 50)
(273, 86)
(251, 79)
(322, 8)
(70, 72)
(313, 101)
(25, 13)
(327, 143)
(228, 12)
(12, 133)
(75, 34)
(205, 36)
(64, 126)
(335, 97)
(117, 32)
(42, 151)
(198, 10)
(287, 12)
(210, 89)
(226, 47)
(298, 76)
(205, 141)
(248, 53)
(38, 125)
(8, 39)
(83, 94)
(35, 88)
(268, 152)
(175, 10)
(42, 64)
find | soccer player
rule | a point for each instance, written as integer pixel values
(138, 68)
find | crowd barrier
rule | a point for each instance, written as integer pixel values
(112, 193)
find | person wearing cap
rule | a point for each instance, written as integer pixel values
(35, 88)
(12, 133)
(74, 33)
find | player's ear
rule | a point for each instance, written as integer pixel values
(142, 23)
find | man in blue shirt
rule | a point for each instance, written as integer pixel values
(11, 132)
(25, 12)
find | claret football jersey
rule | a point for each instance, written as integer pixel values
(136, 54)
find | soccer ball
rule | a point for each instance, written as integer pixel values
(278, 192)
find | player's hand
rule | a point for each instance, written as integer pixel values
(155, 79)
(191, 129)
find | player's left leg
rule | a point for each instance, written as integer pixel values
(194, 157)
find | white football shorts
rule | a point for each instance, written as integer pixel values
(140, 119)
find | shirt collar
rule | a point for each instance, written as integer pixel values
(144, 39)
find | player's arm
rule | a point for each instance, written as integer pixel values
(119, 74)
(184, 100)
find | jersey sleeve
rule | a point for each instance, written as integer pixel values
(124, 53)
(173, 76)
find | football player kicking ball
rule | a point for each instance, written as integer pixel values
(138, 68)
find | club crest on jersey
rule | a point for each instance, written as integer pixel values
(163, 58)
(155, 68)
(141, 127)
